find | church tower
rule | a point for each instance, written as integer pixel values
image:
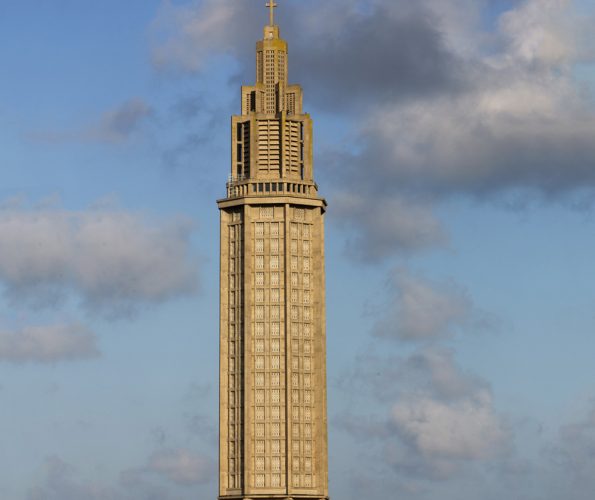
(273, 418)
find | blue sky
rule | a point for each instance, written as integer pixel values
(454, 144)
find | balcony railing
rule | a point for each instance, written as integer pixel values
(238, 187)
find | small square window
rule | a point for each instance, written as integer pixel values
(307, 364)
(276, 446)
(275, 346)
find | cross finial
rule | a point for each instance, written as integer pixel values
(272, 6)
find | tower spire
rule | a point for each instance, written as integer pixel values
(272, 5)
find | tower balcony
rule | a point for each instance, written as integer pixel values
(239, 187)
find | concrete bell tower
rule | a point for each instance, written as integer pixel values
(273, 417)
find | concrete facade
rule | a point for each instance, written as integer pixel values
(273, 419)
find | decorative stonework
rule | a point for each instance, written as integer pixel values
(236, 347)
(273, 423)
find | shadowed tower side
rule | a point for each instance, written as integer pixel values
(273, 419)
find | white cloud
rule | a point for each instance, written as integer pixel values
(463, 430)
(48, 344)
(541, 31)
(115, 261)
(444, 419)
(188, 35)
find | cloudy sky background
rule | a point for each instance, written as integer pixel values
(455, 142)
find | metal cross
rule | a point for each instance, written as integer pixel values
(272, 5)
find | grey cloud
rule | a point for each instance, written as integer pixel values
(202, 120)
(435, 421)
(118, 124)
(432, 371)
(114, 261)
(443, 435)
(167, 480)
(115, 125)
(203, 427)
(382, 55)
(521, 122)
(516, 124)
(435, 372)
(572, 458)
(447, 106)
(48, 344)
(61, 484)
(386, 225)
(181, 466)
(502, 142)
(422, 310)
(356, 55)
(564, 468)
